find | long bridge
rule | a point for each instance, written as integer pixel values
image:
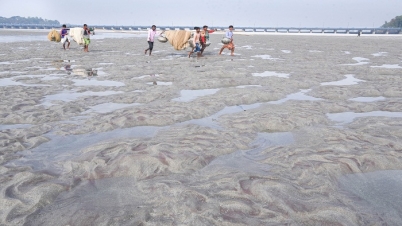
(316, 30)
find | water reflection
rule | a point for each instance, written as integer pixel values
(379, 191)
(360, 61)
(296, 96)
(266, 57)
(189, 95)
(348, 117)
(349, 80)
(160, 83)
(14, 126)
(367, 99)
(248, 161)
(68, 68)
(271, 73)
(72, 95)
(388, 66)
(46, 156)
(88, 72)
(109, 107)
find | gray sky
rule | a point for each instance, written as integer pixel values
(296, 13)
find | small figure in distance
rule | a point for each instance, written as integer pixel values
(196, 43)
(230, 46)
(87, 39)
(151, 37)
(64, 37)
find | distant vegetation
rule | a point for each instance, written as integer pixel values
(396, 22)
(29, 20)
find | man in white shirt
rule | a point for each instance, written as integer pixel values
(230, 46)
(151, 37)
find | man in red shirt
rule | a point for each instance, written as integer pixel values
(205, 37)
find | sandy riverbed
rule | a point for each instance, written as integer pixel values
(298, 130)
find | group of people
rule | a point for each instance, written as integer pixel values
(199, 40)
(65, 39)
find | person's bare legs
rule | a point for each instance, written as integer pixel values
(150, 51)
(223, 47)
(68, 46)
(191, 52)
(232, 54)
(204, 45)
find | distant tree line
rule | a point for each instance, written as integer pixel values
(396, 22)
(28, 20)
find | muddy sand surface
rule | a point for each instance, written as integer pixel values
(292, 130)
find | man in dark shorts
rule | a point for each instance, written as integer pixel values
(151, 37)
(87, 39)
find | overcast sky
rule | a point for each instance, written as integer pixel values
(288, 13)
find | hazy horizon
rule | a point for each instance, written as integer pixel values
(253, 13)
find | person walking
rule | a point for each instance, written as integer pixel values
(151, 37)
(87, 39)
(64, 37)
(196, 43)
(205, 37)
(230, 45)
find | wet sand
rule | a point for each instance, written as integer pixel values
(292, 130)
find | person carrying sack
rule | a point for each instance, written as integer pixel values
(64, 37)
(230, 45)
